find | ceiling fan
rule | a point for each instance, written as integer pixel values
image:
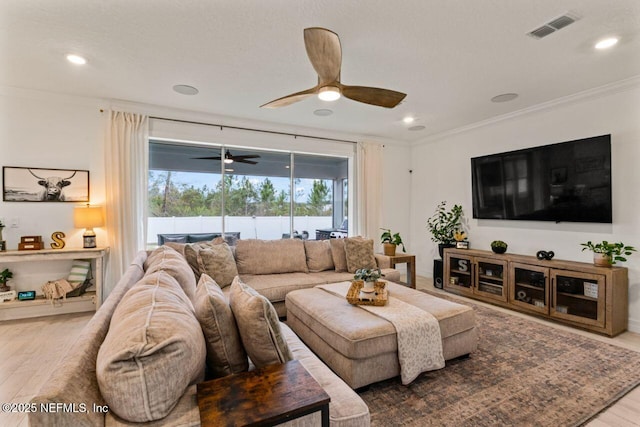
(325, 54)
(230, 158)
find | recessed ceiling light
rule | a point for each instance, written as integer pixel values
(228, 170)
(323, 112)
(186, 89)
(408, 119)
(329, 93)
(287, 167)
(415, 128)
(505, 97)
(76, 59)
(606, 43)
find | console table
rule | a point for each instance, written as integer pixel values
(90, 301)
(266, 396)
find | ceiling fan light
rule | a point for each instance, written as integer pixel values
(329, 93)
(228, 159)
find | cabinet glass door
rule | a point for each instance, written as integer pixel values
(579, 297)
(529, 287)
(460, 273)
(491, 278)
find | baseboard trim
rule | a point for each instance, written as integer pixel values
(634, 326)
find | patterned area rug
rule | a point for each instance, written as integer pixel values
(523, 374)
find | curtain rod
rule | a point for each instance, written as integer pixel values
(254, 130)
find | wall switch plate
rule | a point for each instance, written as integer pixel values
(15, 222)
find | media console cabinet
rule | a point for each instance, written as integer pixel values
(575, 293)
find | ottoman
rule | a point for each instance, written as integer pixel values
(361, 347)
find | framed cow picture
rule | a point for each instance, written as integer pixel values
(21, 184)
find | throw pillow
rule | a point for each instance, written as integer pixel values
(191, 252)
(225, 353)
(259, 326)
(79, 270)
(319, 256)
(217, 261)
(167, 259)
(338, 254)
(153, 351)
(359, 253)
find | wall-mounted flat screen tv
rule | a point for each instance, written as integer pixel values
(568, 181)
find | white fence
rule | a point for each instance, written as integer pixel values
(250, 227)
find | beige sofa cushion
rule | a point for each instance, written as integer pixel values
(217, 261)
(259, 326)
(191, 253)
(359, 252)
(254, 256)
(153, 351)
(319, 256)
(338, 254)
(225, 353)
(169, 260)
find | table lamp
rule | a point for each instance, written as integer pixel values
(88, 217)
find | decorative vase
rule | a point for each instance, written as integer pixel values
(369, 286)
(443, 246)
(498, 249)
(389, 249)
(601, 260)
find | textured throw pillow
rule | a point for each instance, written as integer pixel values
(255, 256)
(225, 353)
(167, 259)
(217, 261)
(338, 254)
(153, 351)
(79, 270)
(178, 247)
(359, 253)
(259, 326)
(319, 256)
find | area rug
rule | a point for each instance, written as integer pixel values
(523, 374)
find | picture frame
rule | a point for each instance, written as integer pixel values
(24, 184)
(462, 245)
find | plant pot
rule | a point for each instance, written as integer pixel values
(601, 260)
(389, 249)
(369, 286)
(498, 249)
(443, 246)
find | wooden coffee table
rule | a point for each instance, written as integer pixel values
(267, 396)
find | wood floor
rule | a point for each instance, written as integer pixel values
(30, 348)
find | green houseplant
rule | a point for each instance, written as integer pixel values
(443, 225)
(607, 254)
(390, 240)
(4, 276)
(368, 276)
(498, 246)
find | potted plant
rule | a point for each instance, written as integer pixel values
(499, 247)
(443, 224)
(368, 276)
(606, 254)
(390, 241)
(4, 276)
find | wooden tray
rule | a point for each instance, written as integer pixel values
(379, 297)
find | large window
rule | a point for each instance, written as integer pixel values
(208, 189)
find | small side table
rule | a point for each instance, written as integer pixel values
(263, 397)
(410, 260)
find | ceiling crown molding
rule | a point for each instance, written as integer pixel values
(608, 89)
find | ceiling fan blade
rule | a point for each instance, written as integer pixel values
(373, 95)
(207, 158)
(248, 156)
(324, 52)
(249, 162)
(290, 99)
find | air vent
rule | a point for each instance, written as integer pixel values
(553, 26)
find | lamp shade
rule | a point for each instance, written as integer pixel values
(88, 217)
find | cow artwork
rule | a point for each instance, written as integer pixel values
(53, 187)
(44, 185)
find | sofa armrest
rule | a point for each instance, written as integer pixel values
(383, 261)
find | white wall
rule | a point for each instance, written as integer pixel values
(442, 172)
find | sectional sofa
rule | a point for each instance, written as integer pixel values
(273, 268)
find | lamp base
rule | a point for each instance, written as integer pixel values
(89, 239)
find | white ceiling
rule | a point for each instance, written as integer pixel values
(450, 57)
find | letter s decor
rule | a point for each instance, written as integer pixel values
(58, 243)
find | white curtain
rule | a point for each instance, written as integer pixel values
(126, 170)
(369, 189)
